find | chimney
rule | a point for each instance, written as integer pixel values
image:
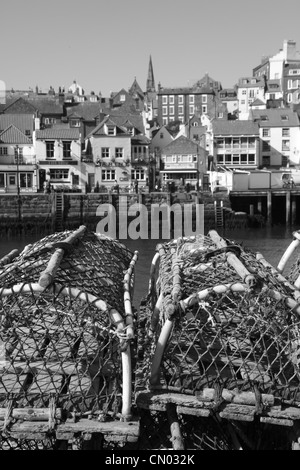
(37, 124)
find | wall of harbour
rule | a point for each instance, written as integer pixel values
(37, 213)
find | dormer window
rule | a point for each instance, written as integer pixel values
(74, 122)
(111, 130)
(264, 117)
(284, 117)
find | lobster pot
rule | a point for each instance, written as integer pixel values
(65, 337)
(219, 337)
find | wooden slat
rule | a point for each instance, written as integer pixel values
(89, 346)
(113, 429)
(43, 383)
(79, 384)
(200, 412)
(12, 383)
(55, 367)
(276, 421)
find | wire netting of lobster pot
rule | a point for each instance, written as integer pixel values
(219, 333)
(65, 338)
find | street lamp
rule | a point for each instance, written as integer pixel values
(18, 183)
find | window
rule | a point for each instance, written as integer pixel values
(181, 119)
(263, 117)
(138, 174)
(49, 148)
(272, 96)
(171, 110)
(284, 117)
(266, 146)
(2, 180)
(180, 109)
(180, 99)
(171, 99)
(220, 115)
(59, 174)
(119, 152)
(161, 135)
(204, 109)
(289, 97)
(50, 121)
(243, 101)
(191, 99)
(266, 132)
(26, 180)
(244, 92)
(204, 98)
(285, 145)
(285, 132)
(66, 149)
(108, 175)
(75, 180)
(111, 130)
(3, 151)
(165, 110)
(27, 133)
(191, 109)
(165, 121)
(122, 97)
(251, 93)
(266, 160)
(19, 155)
(105, 152)
(74, 122)
(165, 99)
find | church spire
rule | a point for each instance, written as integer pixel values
(150, 85)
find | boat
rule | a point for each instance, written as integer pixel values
(219, 347)
(67, 323)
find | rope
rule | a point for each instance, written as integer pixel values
(7, 417)
(52, 410)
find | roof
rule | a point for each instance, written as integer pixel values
(182, 145)
(47, 106)
(234, 127)
(12, 135)
(259, 82)
(87, 110)
(273, 117)
(258, 102)
(23, 122)
(54, 133)
(186, 90)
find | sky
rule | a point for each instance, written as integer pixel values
(105, 45)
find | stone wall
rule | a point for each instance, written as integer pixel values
(38, 211)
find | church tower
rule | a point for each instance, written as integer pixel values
(150, 85)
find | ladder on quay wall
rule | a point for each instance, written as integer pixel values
(219, 213)
(59, 203)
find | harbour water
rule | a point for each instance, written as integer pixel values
(271, 242)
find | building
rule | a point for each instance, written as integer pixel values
(117, 150)
(184, 161)
(291, 84)
(58, 156)
(236, 144)
(17, 161)
(249, 89)
(279, 134)
(180, 104)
